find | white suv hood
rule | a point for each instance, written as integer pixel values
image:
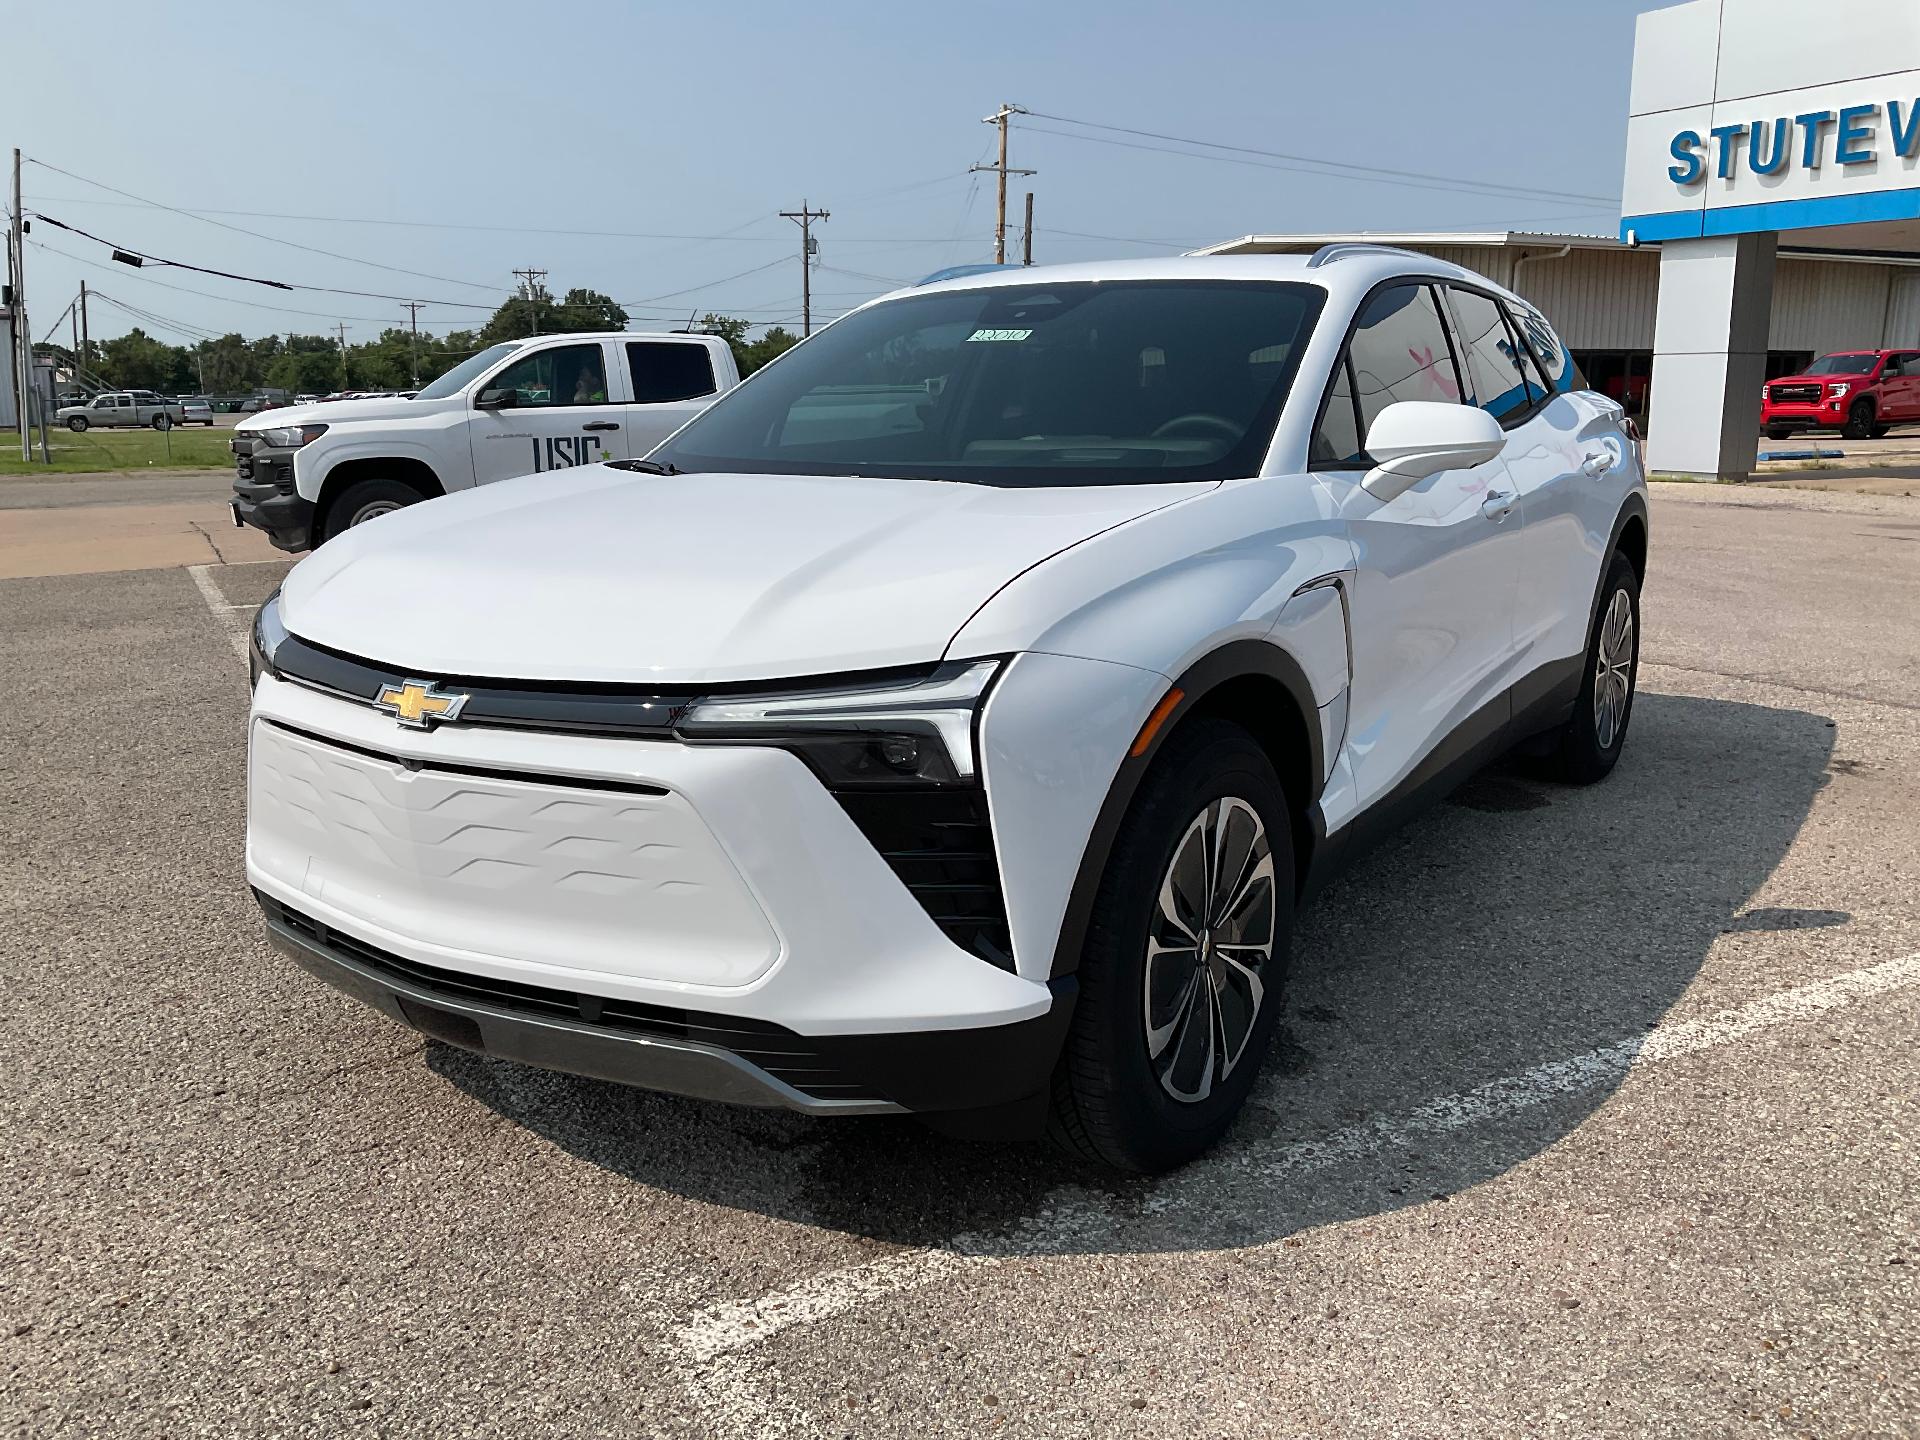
(608, 575)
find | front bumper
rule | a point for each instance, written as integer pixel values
(1806, 415)
(695, 919)
(685, 1052)
(264, 495)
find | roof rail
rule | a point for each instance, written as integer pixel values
(1341, 249)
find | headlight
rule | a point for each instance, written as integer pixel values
(269, 633)
(292, 437)
(889, 733)
(1839, 389)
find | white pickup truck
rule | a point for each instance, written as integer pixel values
(122, 407)
(308, 472)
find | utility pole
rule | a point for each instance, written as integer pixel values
(1026, 234)
(804, 218)
(86, 344)
(412, 307)
(532, 277)
(1000, 117)
(346, 381)
(22, 344)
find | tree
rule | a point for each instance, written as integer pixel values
(749, 355)
(538, 313)
(228, 366)
(309, 365)
(137, 361)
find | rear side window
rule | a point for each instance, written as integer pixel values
(1554, 359)
(663, 370)
(1399, 351)
(1493, 362)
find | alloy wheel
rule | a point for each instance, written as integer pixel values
(1209, 945)
(1613, 670)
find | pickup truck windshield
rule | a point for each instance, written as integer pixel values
(1024, 385)
(456, 379)
(1843, 365)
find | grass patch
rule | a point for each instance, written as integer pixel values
(130, 450)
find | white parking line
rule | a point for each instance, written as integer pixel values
(228, 617)
(733, 1387)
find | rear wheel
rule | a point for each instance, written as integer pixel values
(162, 422)
(1181, 978)
(1859, 421)
(366, 500)
(77, 423)
(1589, 746)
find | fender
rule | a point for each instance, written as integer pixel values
(1233, 661)
(311, 479)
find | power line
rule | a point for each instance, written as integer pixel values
(259, 235)
(1337, 168)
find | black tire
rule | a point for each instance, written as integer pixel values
(1880, 432)
(1582, 752)
(77, 423)
(1109, 1102)
(1778, 432)
(365, 500)
(163, 422)
(1859, 421)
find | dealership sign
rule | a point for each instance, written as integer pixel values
(1853, 136)
(1745, 119)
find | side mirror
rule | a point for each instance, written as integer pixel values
(499, 398)
(1412, 439)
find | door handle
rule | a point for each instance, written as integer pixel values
(1597, 464)
(602, 425)
(1497, 504)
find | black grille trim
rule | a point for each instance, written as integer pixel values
(939, 842)
(780, 1052)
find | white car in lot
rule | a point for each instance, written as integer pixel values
(951, 719)
(306, 473)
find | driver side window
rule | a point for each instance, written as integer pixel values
(1400, 350)
(564, 375)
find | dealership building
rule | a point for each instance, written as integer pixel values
(1771, 213)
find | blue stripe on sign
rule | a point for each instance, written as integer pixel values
(1877, 205)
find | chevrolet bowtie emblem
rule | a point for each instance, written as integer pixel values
(418, 703)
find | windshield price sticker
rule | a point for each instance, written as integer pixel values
(998, 335)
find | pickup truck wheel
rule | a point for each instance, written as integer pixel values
(1180, 981)
(77, 423)
(1880, 432)
(1859, 421)
(1779, 432)
(162, 422)
(1589, 745)
(366, 500)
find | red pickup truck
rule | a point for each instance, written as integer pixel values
(1857, 392)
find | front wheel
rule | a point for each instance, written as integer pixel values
(1859, 421)
(1779, 432)
(1589, 746)
(1181, 977)
(366, 500)
(77, 423)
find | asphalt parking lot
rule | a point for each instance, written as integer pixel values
(1593, 1113)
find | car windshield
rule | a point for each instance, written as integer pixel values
(1024, 385)
(455, 380)
(1843, 365)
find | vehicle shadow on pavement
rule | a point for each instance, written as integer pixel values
(1520, 923)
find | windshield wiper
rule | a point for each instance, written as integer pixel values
(647, 467)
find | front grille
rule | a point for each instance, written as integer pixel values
(773, 1048)
(940, 843)
(1794, 394)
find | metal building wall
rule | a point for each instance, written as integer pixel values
(1903, 315)
(1596, 299)
(1825, 305)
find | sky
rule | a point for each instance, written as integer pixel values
(433, 148)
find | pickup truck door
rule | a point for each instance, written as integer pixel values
(672, 381)
(125, 412)
(560, 412)
(1901, 381)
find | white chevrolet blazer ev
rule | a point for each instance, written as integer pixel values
(951, 718)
